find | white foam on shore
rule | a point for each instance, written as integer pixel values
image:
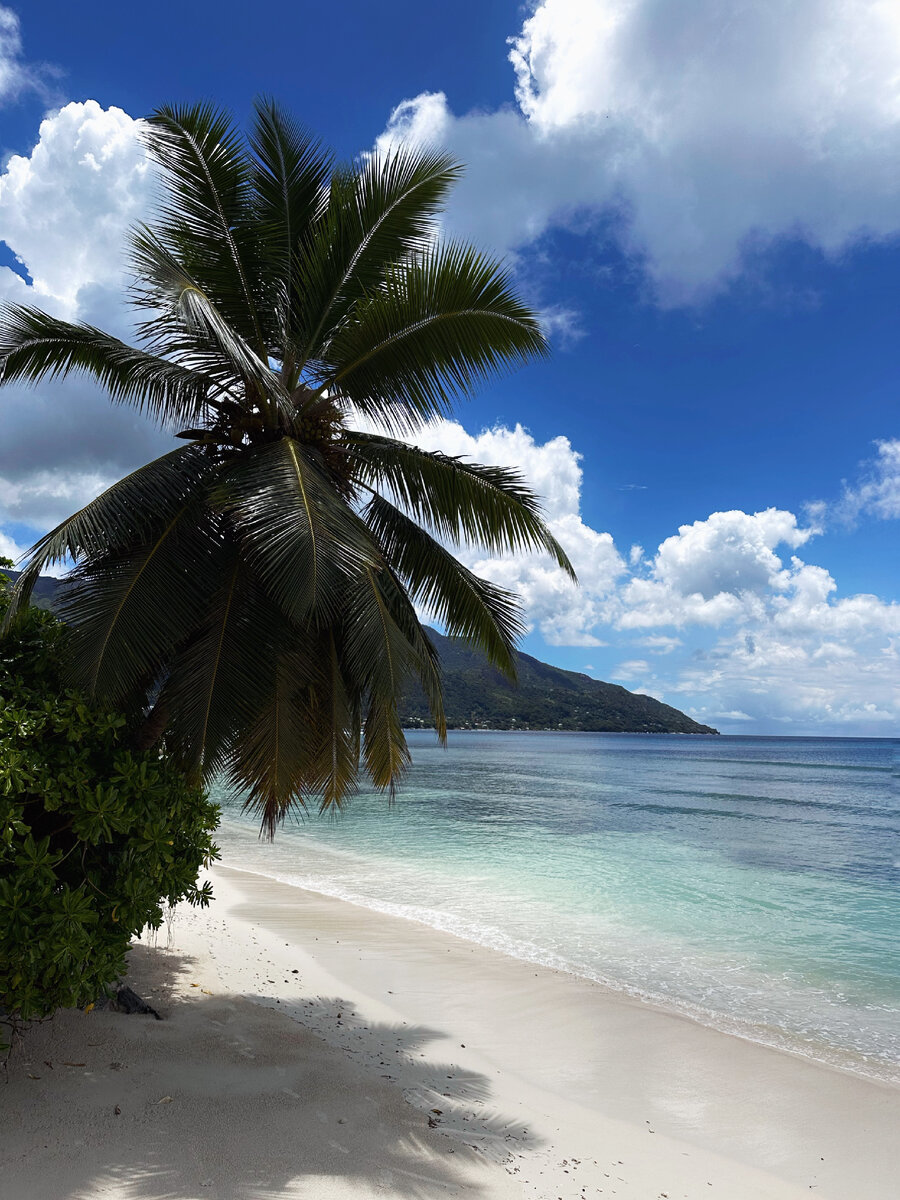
(492, 938)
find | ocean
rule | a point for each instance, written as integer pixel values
(751, 883)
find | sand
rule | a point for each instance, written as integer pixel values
(312, 1048)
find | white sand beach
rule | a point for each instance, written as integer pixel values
(312, 1048)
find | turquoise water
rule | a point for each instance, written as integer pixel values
(751, 882)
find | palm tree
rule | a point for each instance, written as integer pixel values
(255, 587)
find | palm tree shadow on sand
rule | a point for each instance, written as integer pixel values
(231, 1099)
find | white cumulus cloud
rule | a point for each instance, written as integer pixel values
(65, 208)
(712, 571)
(564, 614)
(704, 129)
(878, 493)
(9, 548)
(763, 636)
(64, 211)
(812, 663)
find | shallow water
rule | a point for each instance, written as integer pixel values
(752, 882)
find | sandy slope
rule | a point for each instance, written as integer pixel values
(417, 1065)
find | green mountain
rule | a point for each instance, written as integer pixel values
(478, 696)
(44, 589)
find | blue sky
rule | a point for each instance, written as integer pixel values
(701, 198)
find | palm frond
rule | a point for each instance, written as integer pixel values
(385, 751)
(290, 172)
(186, 319)
(381, 660)
(124, 516)
(378, 215)
(207, 684)
(335, 715)
(378, 655)
(425, 662)
(299, 535)
(128, 610)
(273, 751)
(206, 216)
(439, 326)
(35, 346)
(487, 616)
(485, 506)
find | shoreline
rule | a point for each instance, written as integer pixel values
(772, 1037)
(317, 1049)
(575, 1064)
(556, 729)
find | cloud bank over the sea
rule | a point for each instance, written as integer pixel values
(704, 131)
(724, 610)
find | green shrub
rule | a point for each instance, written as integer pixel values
(94, 838)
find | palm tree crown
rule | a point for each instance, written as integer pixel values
(259, 581)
